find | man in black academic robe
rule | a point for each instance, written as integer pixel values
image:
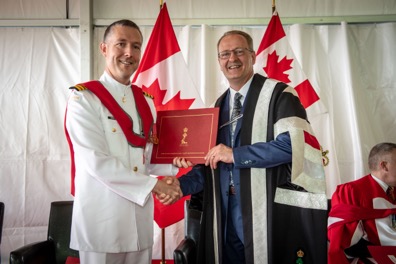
(264, 195)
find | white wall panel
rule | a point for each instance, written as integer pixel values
(27, 9)
(198, 11)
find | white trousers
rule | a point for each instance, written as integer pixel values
(137, 257)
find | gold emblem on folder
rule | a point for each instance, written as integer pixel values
(183, 141)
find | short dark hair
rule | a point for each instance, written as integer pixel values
(122, 22)
(377, 153)
(237, 32)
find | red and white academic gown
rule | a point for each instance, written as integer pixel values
(360, 209)
(113, 204)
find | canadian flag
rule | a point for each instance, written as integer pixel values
(163, 73)
(275, 59)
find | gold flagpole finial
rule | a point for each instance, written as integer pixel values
(273, 6)
(161, 3)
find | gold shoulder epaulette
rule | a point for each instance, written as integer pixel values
(148, 95)
(79, 87)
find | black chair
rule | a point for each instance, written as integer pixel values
(1, 219)
(1, 223)
(55, 249)
(186, 251)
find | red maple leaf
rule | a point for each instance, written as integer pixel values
(276, 70)
(175, 103)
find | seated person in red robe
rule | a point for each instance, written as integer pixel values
(363, 211)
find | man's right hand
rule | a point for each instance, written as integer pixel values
(168, 190)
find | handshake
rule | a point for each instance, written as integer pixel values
(167, 190)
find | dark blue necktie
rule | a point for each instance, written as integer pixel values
(236, 111)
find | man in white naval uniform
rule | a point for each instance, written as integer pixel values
(113, 205)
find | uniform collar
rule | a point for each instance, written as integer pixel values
(107, 79)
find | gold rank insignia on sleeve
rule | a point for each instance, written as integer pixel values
(79, 87)
(148, 95)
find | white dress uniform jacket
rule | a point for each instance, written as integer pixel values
(113, 204)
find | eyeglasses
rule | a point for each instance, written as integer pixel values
(225, 55)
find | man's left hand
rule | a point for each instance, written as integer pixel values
(219, 153)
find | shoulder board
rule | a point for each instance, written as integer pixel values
(79, 87)
(148, 95)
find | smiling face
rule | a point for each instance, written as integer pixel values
(122, 51)
(237, 69)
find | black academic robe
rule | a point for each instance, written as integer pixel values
(293, 233)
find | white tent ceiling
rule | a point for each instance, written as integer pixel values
(182, 12)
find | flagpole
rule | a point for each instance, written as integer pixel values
(163, 261)
(273, 6)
